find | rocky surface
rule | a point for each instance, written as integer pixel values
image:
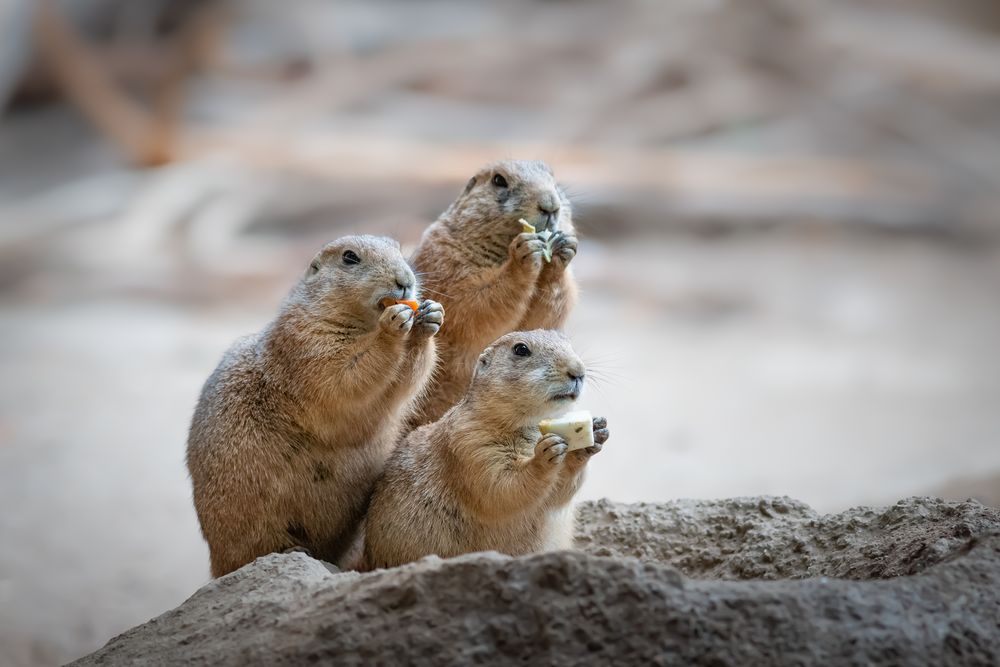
(649, 588)
(781, 538)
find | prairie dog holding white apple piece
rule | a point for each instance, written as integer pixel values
(484, 477)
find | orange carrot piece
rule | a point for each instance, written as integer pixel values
(389, 301)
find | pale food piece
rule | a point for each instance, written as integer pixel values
(545, 234)
(576, 428)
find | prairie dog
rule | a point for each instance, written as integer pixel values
(483, 477)
(296, 422)
(490, 274)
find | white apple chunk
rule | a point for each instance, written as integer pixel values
(576, 428)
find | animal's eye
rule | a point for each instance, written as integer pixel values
(499, 181)
(522, 350)
(350, 257)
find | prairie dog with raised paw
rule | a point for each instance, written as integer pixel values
(491, 275)
(483, 477)
(294, 425)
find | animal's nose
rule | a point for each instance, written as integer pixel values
(576, 374)
(548, 203)
(404, 284)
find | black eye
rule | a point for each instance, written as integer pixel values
(351, 258)
(522, 350)
(499, 181)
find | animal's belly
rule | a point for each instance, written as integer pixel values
(523, 536)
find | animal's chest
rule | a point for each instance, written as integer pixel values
(522, 531)
(523, 444)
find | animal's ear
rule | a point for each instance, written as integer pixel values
(470, 185)
(313, 268)
(483, 363)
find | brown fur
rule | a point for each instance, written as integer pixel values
(483, 477)
(491, 276)
(295, 424)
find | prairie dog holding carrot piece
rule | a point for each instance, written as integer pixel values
(295, 424)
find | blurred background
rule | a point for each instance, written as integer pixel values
(790, 268)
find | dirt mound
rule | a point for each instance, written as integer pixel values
(584, 608)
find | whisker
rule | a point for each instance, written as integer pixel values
(608, 358)
(577, 194)
(419, 272)
(599, 388)
(602, 380)
(607, 362)
(433, 274)
(602, 365)
(604, 375)
(599, 365)
(435, 292)
(603, 355)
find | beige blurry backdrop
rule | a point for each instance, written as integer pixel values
(790, 266)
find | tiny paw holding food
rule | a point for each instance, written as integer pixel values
(545, 236)
(528, 250)
(428, 319)
(551, 449)
(397, 319)
(562, 250)
(558, 245)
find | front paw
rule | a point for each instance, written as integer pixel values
(428, 319)
(527, 252)
(550, 451)
(601, 432)
(563, 247)
(601, 435)
(397, 320)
